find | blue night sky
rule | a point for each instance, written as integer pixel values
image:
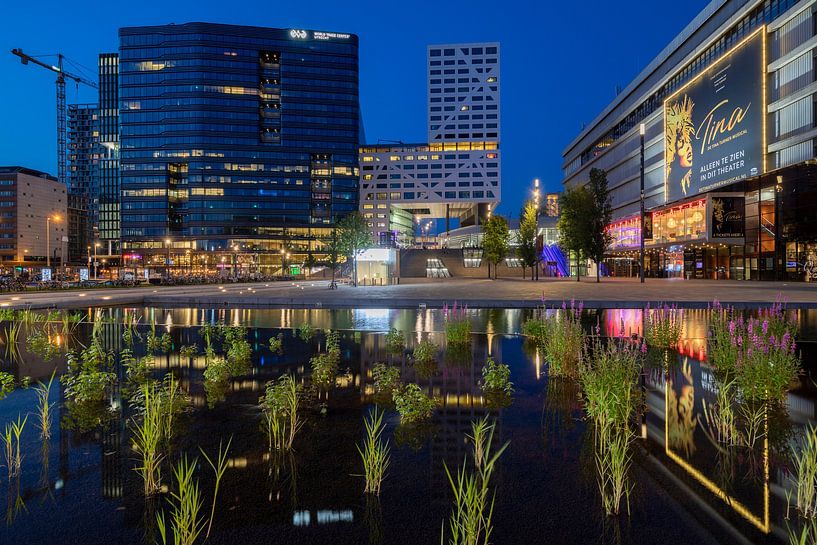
(561, 62)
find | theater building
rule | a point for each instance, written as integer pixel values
(723, 122)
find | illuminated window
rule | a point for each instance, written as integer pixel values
(368, 159)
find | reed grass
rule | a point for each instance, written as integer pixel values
(147, 439)
(375, 453)
(720, 418)
(11, 446)
(219, 467)
(186, 523)
(12, 340)
(804, 473)
(44, 407)
(280, 407)
(457, 325)
(662, 326)
(470, 522)
(560, 336)
(613, 460)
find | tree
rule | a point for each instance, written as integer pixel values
(575, 207)
(333, 254)
(354, 236)
(598, 237)
(309, 263)
(528, 227)
(495, 237)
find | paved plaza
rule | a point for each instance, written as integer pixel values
(610, 293)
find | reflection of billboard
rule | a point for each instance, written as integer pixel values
(714, 127)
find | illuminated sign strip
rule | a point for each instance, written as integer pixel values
(764, 525)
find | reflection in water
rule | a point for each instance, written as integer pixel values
(312, 495)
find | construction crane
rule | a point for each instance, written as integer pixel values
(61, 114)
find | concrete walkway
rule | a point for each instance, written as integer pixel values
(610, 293)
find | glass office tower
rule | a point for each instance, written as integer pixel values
(238, 145)
(106, 214)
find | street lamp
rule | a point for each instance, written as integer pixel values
(48, 238)
(535, 271)
(641, 130)
(96, 267)
(167, 257)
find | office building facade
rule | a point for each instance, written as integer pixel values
(238, 144)
(456, 175)
(106, 216)
(84, 153)
(33, 218)
(728, 116)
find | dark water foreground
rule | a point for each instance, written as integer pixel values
(81, 487)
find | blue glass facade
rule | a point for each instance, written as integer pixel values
(235, 139)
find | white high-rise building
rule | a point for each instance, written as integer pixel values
(456, 175)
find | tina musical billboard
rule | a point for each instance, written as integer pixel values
(714, 128)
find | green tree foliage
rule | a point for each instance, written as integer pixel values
(528, 226)
(354, 236)
(598, 238)
(333, 253)
(495, 237)
(576, 208)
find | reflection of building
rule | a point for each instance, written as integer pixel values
(747, 488)
(755, 56)
(27, 198)
(239, 151)
(457, 174)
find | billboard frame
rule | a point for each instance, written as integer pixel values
(764, 106)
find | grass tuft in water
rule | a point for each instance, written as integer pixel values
(608, 378)
(280, 407)
(560, 336)
(470, 522)
(219, 467)
(662, 326)
(11, 446)
(375, 452)
(186, 523)
(44, 407)
(147, 439)
(457, 325)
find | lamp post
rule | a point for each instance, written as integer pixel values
(535, 271)
(48, 239)
(642, 130)
(96, 267)
(167, 257)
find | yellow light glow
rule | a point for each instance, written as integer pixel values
(763, 525)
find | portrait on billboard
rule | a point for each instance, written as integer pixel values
(714, 132)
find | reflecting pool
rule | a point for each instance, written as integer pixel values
(80, 485)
